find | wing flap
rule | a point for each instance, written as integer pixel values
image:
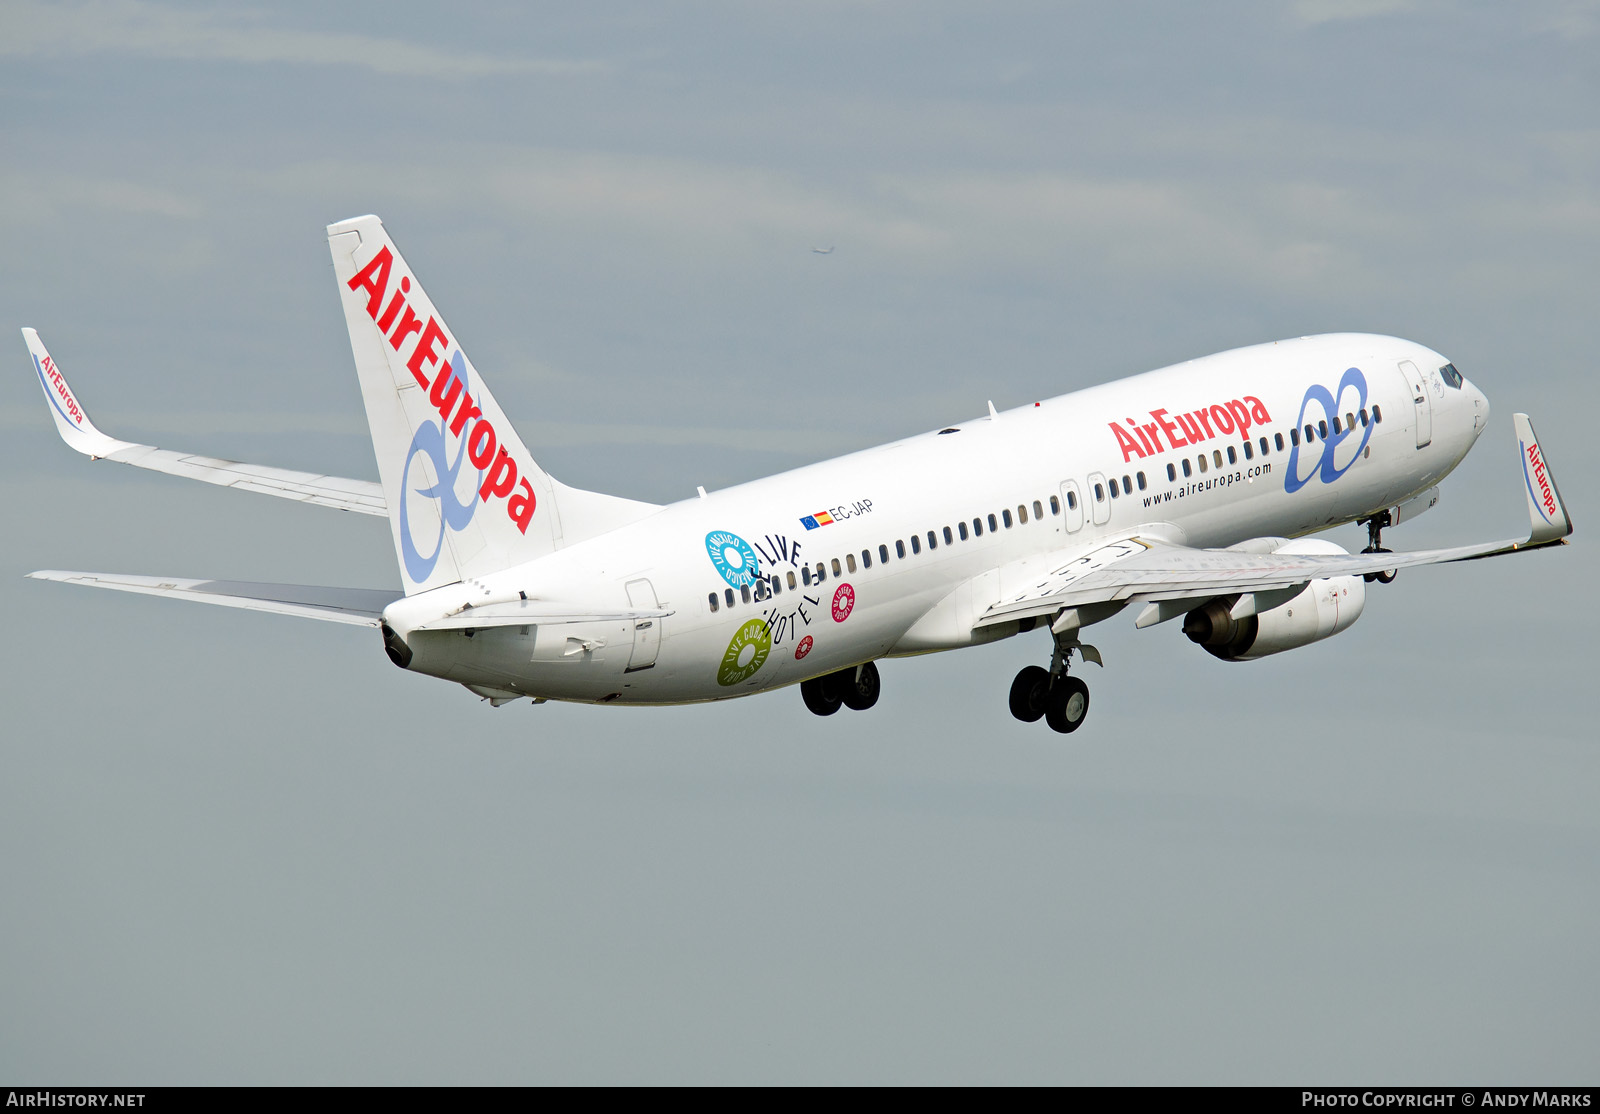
(72, 422)
(358, 606)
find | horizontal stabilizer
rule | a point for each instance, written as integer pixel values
(359, 606)
(72, 422)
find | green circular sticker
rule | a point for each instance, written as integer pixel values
(746, 653)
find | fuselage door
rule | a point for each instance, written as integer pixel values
(1099, 499)
(646, 632)
(1072, 506)
(1419, 397)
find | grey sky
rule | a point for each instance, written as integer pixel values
(243, 848)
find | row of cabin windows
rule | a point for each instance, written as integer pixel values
(1312, 433)
(767, 587)
(1100, 491)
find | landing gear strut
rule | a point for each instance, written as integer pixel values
(1375, 526)
(1062, 701)
(856, 688)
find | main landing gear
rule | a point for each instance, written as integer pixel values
(856, 688)
(1375, 526)
(1062, 701)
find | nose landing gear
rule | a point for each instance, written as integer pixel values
(1050, 694)
(1375, 526)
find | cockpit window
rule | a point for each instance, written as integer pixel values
(1451, 375)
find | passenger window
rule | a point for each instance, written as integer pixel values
(805, 575)
(791, 580)
(1072, 500)
(992, 526)
(1377, 415)
(1277, 439)
(1005, 516)
(900, 550)
(1349, 420)
(866, 558)
(1127, 485)
(1294, 435)
(1216, 455)
(849, 562)
(1038, 511)
(1362, 414)
(1264, 448)
(1233, 458)
(763, 590)
(777, 584)
(933, 541)
(728, 592)
(712, 599)
(836, 570)
(1141, 481)
(916, 544)
(1055, 505)
(1336, 423)
(1022, 514)
(1114, 490)
(1249, 451)
(1322, 430)
(948, 537)
(1172, 472)
(1099, 493)
(1187, 471)
(962, 528)
(1201, 460)
(822, 572)
(883, 555)
(744, 592)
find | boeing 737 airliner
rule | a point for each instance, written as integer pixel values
(1175, 494)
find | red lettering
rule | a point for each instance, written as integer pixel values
(1258, 412)
(1130, 447)
(425, 352)
(1204, 415)
(1151, 433)
(500, 479)
(1190, 427)
(467, 412)
(1241, 417)
(374, 279)
(481, 445)
(1168, 428)
(409, 323)
(445, 401)
(389, 314)
(520, 508)
(1221, 417)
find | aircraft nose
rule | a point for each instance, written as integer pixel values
(1480, 409)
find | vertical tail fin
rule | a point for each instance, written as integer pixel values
(465, 497)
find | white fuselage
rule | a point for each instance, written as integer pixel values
(1145, 435)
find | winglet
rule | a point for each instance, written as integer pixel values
(72, 422)
(1546, 512)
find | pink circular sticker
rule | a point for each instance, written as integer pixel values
(844, 602)
(803, 649)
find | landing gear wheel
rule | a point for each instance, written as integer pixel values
(1068, 705)
(1385, 577)
(1029, 693)
(859, 688)
(821, 694)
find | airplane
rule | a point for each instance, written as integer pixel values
(1186, 492)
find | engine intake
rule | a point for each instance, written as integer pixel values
(1321, 610)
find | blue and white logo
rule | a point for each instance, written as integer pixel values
(453, 510)
(735, 560)
(1323, 455)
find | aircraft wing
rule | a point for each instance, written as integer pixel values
(533, 612)
(360, 606)
(1148, 570)
(72, 422)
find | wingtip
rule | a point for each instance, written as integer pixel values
(1547, 511)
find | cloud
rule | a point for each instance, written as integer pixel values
(133, 27)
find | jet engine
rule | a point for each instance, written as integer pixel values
(1322, 609)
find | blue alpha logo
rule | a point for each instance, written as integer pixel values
(733, 557)
(1323, 452)
(453, 511)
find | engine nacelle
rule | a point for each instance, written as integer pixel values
(1322, 609)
